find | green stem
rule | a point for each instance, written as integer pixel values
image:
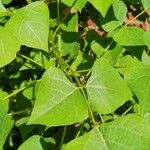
(31, 60)
(133, 19)
(81, 89)
(19, 90)
(21, 112)
(58, 14)
(127, 111)
(63, 137)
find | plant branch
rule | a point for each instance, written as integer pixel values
(63, 137)
(130, 21)
(19, 90)
(31, 60)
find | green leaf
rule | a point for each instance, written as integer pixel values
(97, 48)
(6, 2)
(146, 4)
(106, 89)
(145, 58)
(129, 132)
(9, 45)
(70, 23)
(111, 25)
(138, 79)
(58, 101)
(101, 5)
(78, 4)
(30, 25)
(129, 36)
(89, 141)
(120, 10)
(146, 37)
(4, 104)
(70, 43)
(6, 124)
(3, 11)
(33, 143)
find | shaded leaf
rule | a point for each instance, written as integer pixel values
(58, 101)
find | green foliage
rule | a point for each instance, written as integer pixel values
(74, 75)
(30, 30)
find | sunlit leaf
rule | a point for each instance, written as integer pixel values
(106, 89)
(9, 46)
(129, 132)
(146, 4)
(30, 25)
(146, 38)
(78, 4)
(6, 124)
(120, 10)
(130, 36)
(138, 79)
(33, 143)
(58, 101)
(101, 5)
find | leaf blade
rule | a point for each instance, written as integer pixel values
(63, 103)
(105, 96)
(30, 25)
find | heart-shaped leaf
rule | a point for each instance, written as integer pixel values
(130, 36)
(58, 101)
(33, 143)
(30, 25)
(126, 133)
(106, 89)
(138, 79)
(101, 5)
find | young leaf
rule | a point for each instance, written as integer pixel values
(138, 79)
(101, 5)
(129, 132)
(33, 143)
(58, 101)
(146, 4)
(30, 25)
(129, 36)
(9, 45)
(6, 124)
(106, 89)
